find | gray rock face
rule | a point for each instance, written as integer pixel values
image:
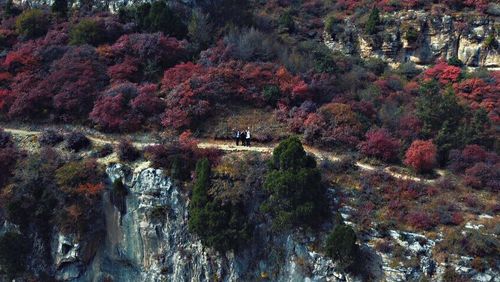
(472, 40)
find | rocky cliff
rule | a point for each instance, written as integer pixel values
(421, 37)
(147, 239)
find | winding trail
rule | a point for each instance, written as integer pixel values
(230, 147)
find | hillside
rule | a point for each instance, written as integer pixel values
(374, 130)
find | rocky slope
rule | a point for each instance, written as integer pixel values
(422, 37)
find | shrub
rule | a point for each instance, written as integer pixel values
(32, 23)
(172, 159)
(380, 144)
(341, 246)
(13, 253)
(8, 159)
(5, 139)
(483, 176)
(104, 151)
(87, 31)
(490, 41)
(73, 174)
(271, 94)
(50, 138)
(127, 152)
(459, 161)
(411, 35)
(286, 21)
(77, 141)
(421, 156)
(376, 65)
(420, 220)
(455, 61)
(443, 72)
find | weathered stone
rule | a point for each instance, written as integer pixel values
(439, 36)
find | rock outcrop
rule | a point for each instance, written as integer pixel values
(421, 37)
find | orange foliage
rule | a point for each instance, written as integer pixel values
(90, 189)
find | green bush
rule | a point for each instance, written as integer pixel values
(376, 65)
(490, 41)
(330, 23)
(373, 22)
(455, 61)
(32, 23)
(222, 226)
(341, 246)
(411, 35)
(297, 196)
(13, 251)
(271, 94)
(87, 31)
(286, 21)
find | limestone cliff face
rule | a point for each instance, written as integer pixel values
(421, 37)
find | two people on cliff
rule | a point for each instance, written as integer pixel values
(242, 136)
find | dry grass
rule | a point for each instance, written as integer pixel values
(262, 123)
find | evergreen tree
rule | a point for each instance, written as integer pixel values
(373, 21)
(341, 246)
(60, 8)
(162, 18)
(222, 226)
(294, 184)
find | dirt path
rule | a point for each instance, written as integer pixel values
(225, 146)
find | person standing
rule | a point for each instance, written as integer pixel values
(237, 136)
(243, 137)
(248, 137)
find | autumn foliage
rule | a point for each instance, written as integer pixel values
(421, 156)
(380, 144)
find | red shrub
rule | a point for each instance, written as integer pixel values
(483, 176)
(478, 93)
(124, 107)
(409, 128)
(420, 220)
(469, 156)
(90, 189)
(457, 218)
(443, 72)
(147, 102)
(380, 144)
(178, 74)
(125, 71)
(421, 156)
